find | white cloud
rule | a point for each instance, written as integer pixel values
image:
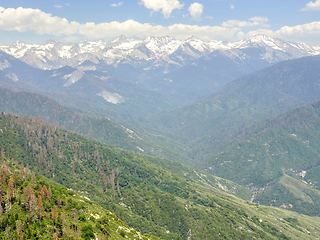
(36, 21)
(303, 30)
(231, 6)
(57, 6)
(209, 17)
(240, 35)
(131, 27)
(312, 6)
(196, 10)
(309, 32)
(166, 6)
(116, 4)
(267, 32)
(255, 21)
(72, 38)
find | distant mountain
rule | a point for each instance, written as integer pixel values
(93, 91)
(101, 128)
(52, 54)
(213, 71)
(205, 126)
(188, 69)
(95, 126)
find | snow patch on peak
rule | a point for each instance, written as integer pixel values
(4, 64)
(19, 44)
(12, 76)
(128, 45)
(156, 51)
(111, 97)
(197, 44)
(261, 41)
(73, 77)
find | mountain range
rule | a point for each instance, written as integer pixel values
(163, 64)
(247, 112)
(150, 50)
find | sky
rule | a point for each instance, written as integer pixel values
(35, 21)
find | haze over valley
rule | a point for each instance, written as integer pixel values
(177, 129)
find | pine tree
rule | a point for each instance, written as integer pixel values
(14, 179)
(19, 229)
(54, 213)
(33, 205)
(40, 206)
(65, 226)
(45, 192)
(59, 202)
(3, 177)
(10, 191)
(49, 193)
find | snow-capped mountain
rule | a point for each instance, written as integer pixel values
(156, 51)
(183, 70)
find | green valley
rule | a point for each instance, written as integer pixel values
(148, 197)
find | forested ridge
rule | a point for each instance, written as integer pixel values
(33, 208)
(146, 196)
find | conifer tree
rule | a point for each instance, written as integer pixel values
(19, 229)
(40, 207)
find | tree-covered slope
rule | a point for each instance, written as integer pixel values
(96, 126)
(267, 154)
(204, 126)
(32, 207)
(101, 128)
(148, 197)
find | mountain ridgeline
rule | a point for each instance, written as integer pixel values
(181, 71)
(109, 131)
(206, 125)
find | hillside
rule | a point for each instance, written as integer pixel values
(205, 125)
(96, 126)
(91, 91)
(267, 155)
(150, 198)
(32, 207)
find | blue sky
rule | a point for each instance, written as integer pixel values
(35, 21)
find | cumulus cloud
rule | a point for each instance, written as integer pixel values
(240, 35)
(300, 30)
(231, 6)
(58, 6)
(116, 4)
(309, 32)
(166, 6)
(312, 6)
(267, 32)
(131, 27)
(196, 10)
(36, 21)
(255, 21)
